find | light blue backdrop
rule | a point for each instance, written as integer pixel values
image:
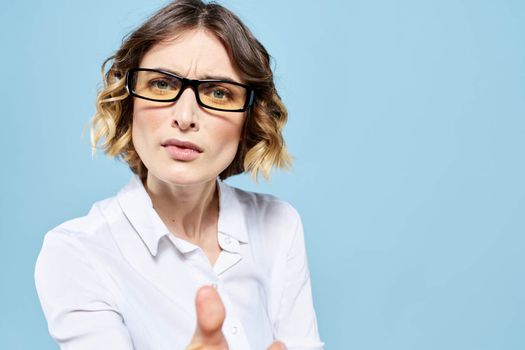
(407, 126)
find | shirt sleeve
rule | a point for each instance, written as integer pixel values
(79, 309)
(296, 323)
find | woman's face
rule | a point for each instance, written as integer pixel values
(160, 128)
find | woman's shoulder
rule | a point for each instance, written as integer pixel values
(270, 224)
(77, 243)
(259, 210)
(89, 228)
(68, 267)
(260, 205)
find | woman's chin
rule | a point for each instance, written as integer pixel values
(180, 177)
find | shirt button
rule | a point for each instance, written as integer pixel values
(227, 240)
(235, 329)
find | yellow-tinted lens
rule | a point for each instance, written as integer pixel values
(222, 95)
(156, 85)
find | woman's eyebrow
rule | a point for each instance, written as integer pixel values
(202, 77)
(218, 77)
(168, 70)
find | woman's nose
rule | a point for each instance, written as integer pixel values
(185, 111)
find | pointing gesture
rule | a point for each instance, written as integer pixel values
(210, 316)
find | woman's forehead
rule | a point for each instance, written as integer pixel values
(195, 53)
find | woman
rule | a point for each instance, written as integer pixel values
(189, 98)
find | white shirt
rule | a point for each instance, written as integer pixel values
(118, 279)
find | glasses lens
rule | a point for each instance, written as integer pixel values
(155, 85)
(222, 95)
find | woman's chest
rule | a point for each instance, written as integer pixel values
(156, 297)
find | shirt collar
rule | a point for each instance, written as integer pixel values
(231, 214)
(138, 209)
(136, 205)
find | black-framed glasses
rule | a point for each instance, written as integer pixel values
(160, 86)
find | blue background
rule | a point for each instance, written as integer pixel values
(407, 127)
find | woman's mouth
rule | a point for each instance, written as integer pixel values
(182, 150)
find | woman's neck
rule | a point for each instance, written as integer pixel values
(190, 212)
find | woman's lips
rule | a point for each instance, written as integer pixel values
(181, 150)
(181, 153)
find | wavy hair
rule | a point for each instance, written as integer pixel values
(262, 145)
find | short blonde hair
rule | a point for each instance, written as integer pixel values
(262, 145)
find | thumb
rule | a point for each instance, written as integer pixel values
(277, 346)
(210, 316)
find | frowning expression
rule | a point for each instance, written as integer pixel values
(182, 142)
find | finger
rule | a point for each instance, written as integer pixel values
(210, 316)
(277, 346)
(210, 310)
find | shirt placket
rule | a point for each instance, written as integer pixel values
(230, 255)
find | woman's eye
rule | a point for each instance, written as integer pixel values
(220, 94)
(160, 84)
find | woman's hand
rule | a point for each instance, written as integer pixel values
(210, 316)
